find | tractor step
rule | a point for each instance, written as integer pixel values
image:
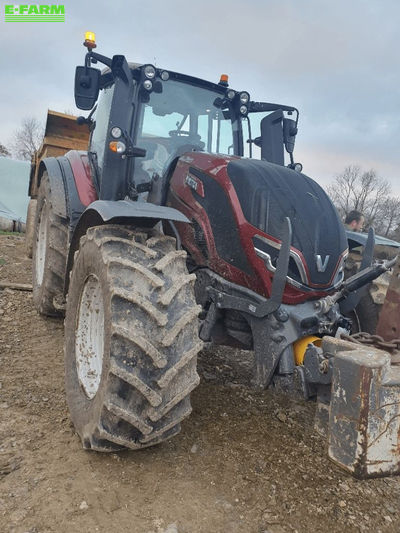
(361, 415)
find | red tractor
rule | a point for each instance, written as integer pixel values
(163, 235)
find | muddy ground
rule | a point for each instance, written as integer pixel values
(244, 461)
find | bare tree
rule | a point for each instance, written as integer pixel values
(3, 151)
(396, 234)
(342, 189)
(391, 218)
(27, 138)
(365, 191)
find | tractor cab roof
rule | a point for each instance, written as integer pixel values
(136, 68)
(253, 106)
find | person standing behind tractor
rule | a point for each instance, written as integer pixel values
(354, 221)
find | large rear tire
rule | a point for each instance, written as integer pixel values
(131, 339)
(49, 258)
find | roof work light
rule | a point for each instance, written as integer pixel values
(90, 40)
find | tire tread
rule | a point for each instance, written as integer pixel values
(154, 340)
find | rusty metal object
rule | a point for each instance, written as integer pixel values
(389, 319)
(362, 419)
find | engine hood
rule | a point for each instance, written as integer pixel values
(267, 194)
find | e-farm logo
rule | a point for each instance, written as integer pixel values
(34, 13)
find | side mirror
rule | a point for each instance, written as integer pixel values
(87, 85)
(272, 138)
(289, 134)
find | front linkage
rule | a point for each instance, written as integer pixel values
(276, 328)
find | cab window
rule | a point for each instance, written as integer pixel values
(101, 122)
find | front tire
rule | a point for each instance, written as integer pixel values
(131, 339)
(49, 258)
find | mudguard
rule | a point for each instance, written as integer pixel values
(145, 213)
(50, 164)
(66, 201)
(136, 214)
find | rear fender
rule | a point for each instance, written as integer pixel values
(123, 212)
(51, 165)
(82, 176)
(66, 201)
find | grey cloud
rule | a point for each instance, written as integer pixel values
(336, 61)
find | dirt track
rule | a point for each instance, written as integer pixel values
(244, 461)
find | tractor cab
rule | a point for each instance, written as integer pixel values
(150, 117)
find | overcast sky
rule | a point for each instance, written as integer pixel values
(337, 61)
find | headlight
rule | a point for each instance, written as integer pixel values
(148, 85)
(149, 71)
(244, 97)
(230, 94)
(243, 109)
(298, 167)
(164, 75)
(116, 132)
(118, 147)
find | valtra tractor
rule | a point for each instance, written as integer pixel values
(181, 225)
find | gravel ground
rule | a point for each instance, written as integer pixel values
(245, 461)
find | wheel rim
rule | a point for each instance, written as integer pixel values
(41, 246)
(89, 340)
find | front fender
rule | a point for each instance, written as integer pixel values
(124, 212)
(146, 214)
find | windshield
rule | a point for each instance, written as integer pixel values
(182, 118)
